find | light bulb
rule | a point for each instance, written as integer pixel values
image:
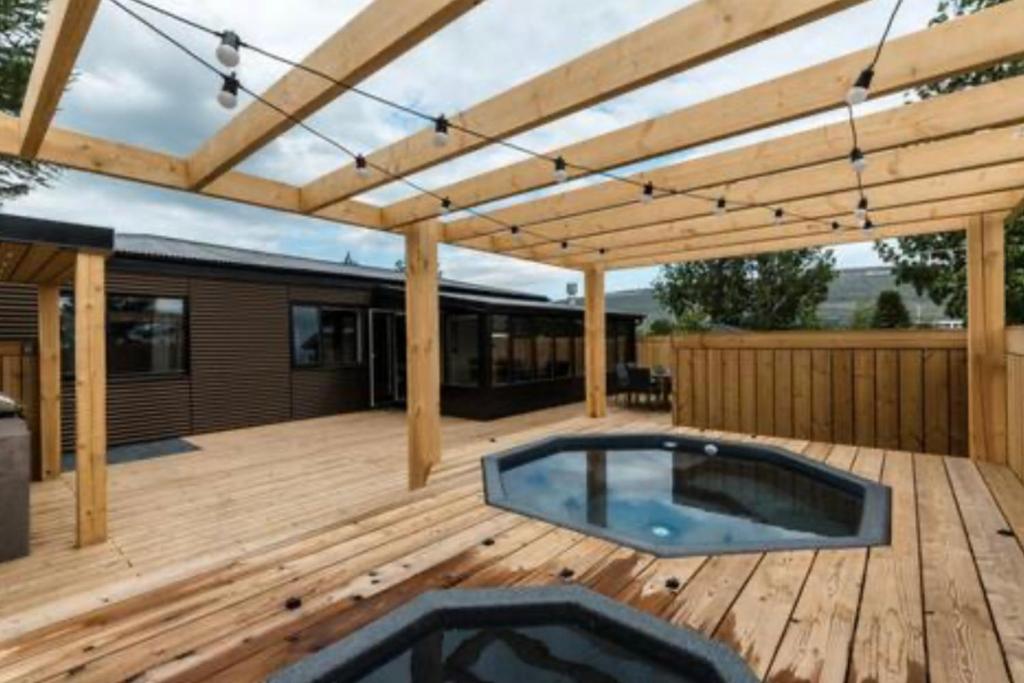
(228, 95)
(861, 212)
(648, 194)
(778, 216)
(228, 50)
(446, 205)
(858, 160)
(561, 171)
(440, 131)
(861, 88)
(720, 207)
(362, 168)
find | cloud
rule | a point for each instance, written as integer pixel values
(133, 87)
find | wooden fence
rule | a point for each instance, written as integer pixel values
(654, 351)
(901, 390)
(19, 379)
(1015, 399)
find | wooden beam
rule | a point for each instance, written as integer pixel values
(90, 399)
(927, 202)
(49, 380)
(423, 355)
(994, 105)
(969, 42)
(986, 338)
(374, 38)
(118, 160)
(67, 24)
(595, 346)
(825, 238)
(705, 30)
(639, 224)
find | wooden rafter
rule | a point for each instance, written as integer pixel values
(694, 35)
(926, 209)
(118, 160)
(372, 39)
(897, 218)
(67, 24)
(645, 224)
(967, 43)
(996, 104)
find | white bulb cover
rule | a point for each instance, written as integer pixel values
(363, 172)
(561, 175)
(860, 214)
(228, 55)
(856, 95)
(440, 138)
(860, 164)
(646, 198)
(228, 100)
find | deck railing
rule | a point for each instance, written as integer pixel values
(1015, 399)
(887, 389)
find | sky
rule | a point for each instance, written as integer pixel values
(133, 87)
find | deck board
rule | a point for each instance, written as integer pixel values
(207, 548)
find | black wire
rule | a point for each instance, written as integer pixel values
(659, 191)
(313, 131)
(885, 33)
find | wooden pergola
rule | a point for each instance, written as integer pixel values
(954, 162)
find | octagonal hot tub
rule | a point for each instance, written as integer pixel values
(520, 635)
(673, 496)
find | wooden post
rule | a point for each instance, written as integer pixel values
(986, 338)
(49, 380)
(423, 355)
(596, 350)
(90, 398)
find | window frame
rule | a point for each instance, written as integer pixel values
(67, 370)
(321, 364)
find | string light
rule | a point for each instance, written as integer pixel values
(858, 93)
(228, 95)
(565, 246)
(362, 168)
(867, 225)
(720, 207)
(777, 216)
(561, 170)
(647, 196)
(446, 206)
(228, 52)
(835, 225)
(440, 131)
(858, 160)
(861, 88)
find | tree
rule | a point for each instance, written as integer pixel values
(763, 292)
(21, 23)
(937, 264)
(660, 327)
(890, 311)
(863, 316)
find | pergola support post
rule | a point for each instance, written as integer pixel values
(986, 338)
(595, 345)
(423, 355)
(90, 398)
(48, 305)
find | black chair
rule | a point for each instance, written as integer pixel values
(639, 383)
(621, 381)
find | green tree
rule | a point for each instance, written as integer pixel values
(937, 264)
(863, 316)
(660, 327)
(763, 292)
(890, 311)
(21, 23)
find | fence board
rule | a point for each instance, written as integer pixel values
(908, 392)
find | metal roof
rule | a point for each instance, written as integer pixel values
(171, 248)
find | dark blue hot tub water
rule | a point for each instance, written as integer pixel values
(550, 653)
(678, 497)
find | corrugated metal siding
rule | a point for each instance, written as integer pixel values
(326, 392)
(239, 352)
(341, 297)
(17, 312)
(152, 285)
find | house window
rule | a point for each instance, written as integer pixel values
(501, 369)
(462, 350)
(325, 337)
(145, 335)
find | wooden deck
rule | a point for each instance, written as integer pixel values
(207, 548)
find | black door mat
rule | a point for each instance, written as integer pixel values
(137, 451)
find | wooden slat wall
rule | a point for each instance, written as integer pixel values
(901, 390)
(1015, 399)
